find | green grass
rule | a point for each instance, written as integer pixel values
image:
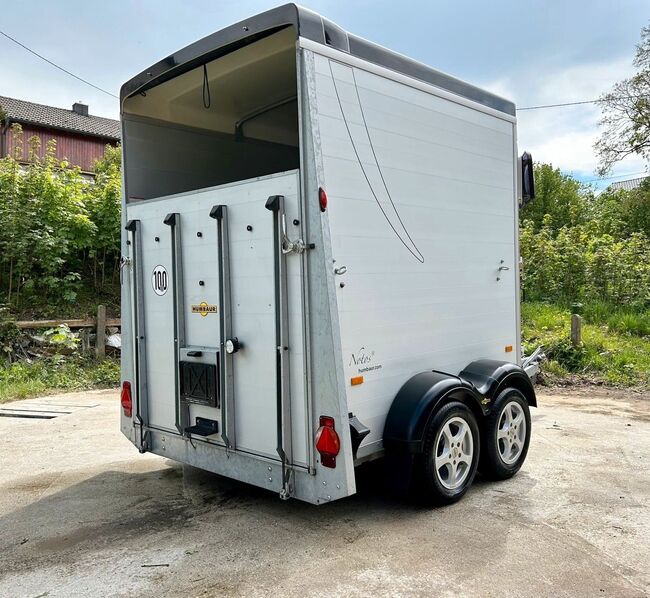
(615, 349)
(627, 320)
(24, 380)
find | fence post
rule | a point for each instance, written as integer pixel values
(576, 330)
(100, 344)
(84, 336)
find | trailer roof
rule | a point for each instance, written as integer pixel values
(313, 26)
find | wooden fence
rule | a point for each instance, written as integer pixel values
(100, 323)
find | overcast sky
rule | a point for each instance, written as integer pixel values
(533, 52)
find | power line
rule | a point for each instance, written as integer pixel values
(559, 105)
(581, 102)
(67, 72)
(57, 66)
(616, 176)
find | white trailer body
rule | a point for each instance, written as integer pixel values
(313, 228)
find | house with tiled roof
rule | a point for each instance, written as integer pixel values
(81, 138)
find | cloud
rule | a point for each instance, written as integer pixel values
(565, 136)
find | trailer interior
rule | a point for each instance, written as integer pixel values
(230, 119)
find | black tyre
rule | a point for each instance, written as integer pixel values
(506, 436)
(448, 464)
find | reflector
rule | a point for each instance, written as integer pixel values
(328, 443)
(322, 199)
(125, 399)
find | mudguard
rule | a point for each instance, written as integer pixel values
(416, 401)
(476, 386)
(490, 376)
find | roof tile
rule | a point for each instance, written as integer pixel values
(59, 118)
(628, 185)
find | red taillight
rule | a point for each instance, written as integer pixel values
(328, 443)
(126, 400)
(322, 199)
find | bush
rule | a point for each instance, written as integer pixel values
(60, 233)
(581, 265)
(9, 333)
(560, 201)
(586, 248)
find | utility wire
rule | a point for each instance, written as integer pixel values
(56, 65)
(541, 107)
(616, 176)
(578, 103)
(558, 105)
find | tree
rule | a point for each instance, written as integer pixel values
(60, 234)
(580, 247)
(626, 113)
(622, 213)
(560, 200)
(103, 203)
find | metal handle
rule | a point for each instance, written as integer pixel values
(340, 270)
(275, 204)
(226, 377)
(173, 221)
(500, 269)
(141, 417)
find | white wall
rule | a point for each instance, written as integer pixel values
(420, 289)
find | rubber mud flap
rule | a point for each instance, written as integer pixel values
(398, 473)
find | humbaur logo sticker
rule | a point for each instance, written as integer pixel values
(204, 309)
(364, 361)
(159, 280)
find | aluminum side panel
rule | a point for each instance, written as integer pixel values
(421, 215)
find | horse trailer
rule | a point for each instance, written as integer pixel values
(320, 264)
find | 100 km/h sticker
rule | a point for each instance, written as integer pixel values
(159, 280)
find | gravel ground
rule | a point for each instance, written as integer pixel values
(83, 514)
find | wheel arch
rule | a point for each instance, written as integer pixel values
(490, 376)
(477, 386)
(417, 401)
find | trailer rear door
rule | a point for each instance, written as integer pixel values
(210, 306)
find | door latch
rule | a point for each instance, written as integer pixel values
(500, 269)
(125, 262)
(298, 246)
(288, 246)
